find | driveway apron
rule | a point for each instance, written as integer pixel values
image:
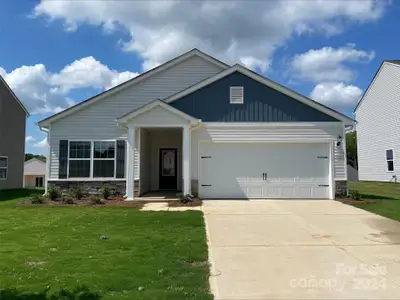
(300, 249)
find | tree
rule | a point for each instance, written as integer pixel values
(29, 156)
(351, 148)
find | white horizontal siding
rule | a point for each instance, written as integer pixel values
(97, 121)
(159, 116)
(261, 133)
(378, 126)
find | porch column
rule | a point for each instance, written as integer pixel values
(186, 159)
(130, 164)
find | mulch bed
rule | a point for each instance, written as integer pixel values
(112, 201)
(177, 203)
(351, 201)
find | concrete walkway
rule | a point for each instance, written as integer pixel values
(301, 250)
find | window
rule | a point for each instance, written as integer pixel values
(236, 95)
(390, 160)
(79, 159)
(3, 167)
(92, 159)
(104, 159)
(39, 182)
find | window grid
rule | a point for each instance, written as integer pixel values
(88, 165)
(104, 159)
(3, 167)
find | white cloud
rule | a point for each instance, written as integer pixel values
(119, 78)
(337, 95)
(29, 139)
(230, 30)
(43, 92)
(42, 144)
(88, 72)
(329, 64)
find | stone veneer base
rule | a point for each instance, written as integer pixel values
(92, 187)
(341, 188)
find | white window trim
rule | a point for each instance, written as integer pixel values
(92, 159)
(230, 94)
(387, 160)
(6, 167)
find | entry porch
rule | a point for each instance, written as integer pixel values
(158, 149)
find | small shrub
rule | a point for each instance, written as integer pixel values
(106, 192)
(78, 192)
(354, 195)
(37, 199)
(185, 198)
(96, 200)
(68, 199)
(54, 193)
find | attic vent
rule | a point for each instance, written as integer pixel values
(236, 95)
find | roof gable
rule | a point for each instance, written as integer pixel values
(2, 81)
(132, 82)
(266, 82)
(391, 62)
(261, 103)
(156, 106)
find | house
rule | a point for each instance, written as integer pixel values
(200, 126)
(34, 173)
(352, 173)
(13, 116)
(378, 126)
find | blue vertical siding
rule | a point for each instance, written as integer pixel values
(261, 104)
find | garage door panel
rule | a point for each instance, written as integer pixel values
(235, 170)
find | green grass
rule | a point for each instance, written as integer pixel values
(385, 195)
(145, 255)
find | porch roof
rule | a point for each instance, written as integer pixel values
(140, 111)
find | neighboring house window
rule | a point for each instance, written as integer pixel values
(79, 159)
(236, 95)
(39, 182)
(3, 167)
(89, 159)
(104, 159)
(390, 160)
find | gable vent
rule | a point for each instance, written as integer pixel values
(236, 95)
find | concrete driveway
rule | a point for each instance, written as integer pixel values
(292, 249)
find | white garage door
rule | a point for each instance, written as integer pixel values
(264, 170)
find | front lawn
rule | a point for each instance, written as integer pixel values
(100, 252)
(386, 197)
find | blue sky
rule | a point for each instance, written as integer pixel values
(54, 54)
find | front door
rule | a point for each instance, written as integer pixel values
(167, 169)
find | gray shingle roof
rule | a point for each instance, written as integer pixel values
(396, 61)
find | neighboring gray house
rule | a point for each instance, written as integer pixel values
(378, 126)
(201, 126)
(352, 173)
(12, 138)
